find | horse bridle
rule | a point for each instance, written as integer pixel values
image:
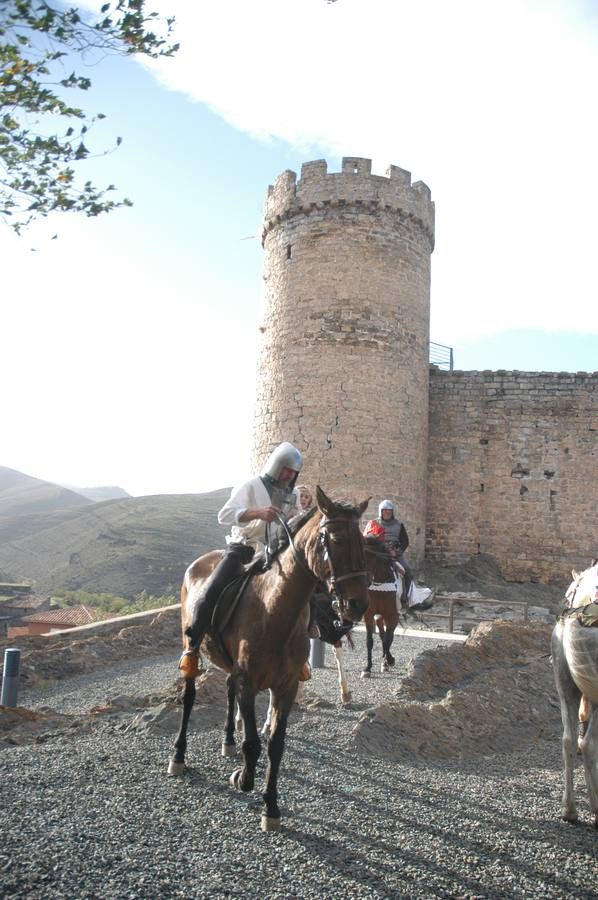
(324, 541)
(323, 538)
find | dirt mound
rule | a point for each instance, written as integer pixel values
(492, 694)
(46, 658)
(27, 726)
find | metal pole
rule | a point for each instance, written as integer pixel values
(316, 653)
(451, 615)
(10, 677)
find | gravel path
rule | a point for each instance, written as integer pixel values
(94, 815)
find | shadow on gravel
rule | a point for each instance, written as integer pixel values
(351, 852)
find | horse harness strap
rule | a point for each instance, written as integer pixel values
(334, 579)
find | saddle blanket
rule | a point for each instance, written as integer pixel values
(417, 595)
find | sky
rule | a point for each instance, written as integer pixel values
(129, 341)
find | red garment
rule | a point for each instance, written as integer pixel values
(375, 528)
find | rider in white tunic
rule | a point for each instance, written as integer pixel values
(252, 511)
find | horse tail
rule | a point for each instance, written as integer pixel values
(184, 592)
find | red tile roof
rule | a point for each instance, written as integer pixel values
(70, 615)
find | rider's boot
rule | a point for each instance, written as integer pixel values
(229, 567)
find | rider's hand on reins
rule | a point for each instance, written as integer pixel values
(267, 513)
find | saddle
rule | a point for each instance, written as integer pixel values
(585, 611)
(227, 604)
(587, 615)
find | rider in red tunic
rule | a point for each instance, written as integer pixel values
(394, 534)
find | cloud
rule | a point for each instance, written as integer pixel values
(490, 104)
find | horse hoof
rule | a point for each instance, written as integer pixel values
(229, 749)
(176, 768)
(269, 823)
(347, 699)
(235, 778)
(366, 674)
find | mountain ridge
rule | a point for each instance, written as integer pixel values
(121, 546)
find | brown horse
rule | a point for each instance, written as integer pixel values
(386, 586)
(265, 643)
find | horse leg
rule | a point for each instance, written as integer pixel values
(265, 732)
(282, 706)
(342, 674)
(569, 695)
(589, 753)
(382, 633)
(369, 642)
(176, 765)
(228, 744)
(243, 778)
(389, 637)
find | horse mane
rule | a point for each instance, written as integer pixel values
(297, 522)
(376, 544)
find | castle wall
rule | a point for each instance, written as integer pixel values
(343, 368)
(512, 470)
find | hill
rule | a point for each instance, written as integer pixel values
(120, 547)
(23, 494)
(99, 494)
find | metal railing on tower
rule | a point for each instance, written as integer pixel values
(442, 356)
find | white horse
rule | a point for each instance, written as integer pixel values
(575, 662)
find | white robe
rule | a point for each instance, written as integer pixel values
(249, 495)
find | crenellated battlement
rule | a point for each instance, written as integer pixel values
(354, 186)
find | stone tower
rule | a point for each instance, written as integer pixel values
(343, 367)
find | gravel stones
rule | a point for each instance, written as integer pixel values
(92, 814)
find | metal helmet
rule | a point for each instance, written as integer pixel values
(283, 455)
(386, 504)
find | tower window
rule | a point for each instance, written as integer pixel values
(289, 251)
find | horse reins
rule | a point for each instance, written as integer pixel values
(323, 537)
(334, 579)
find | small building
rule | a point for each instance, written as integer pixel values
(16, 601)
(48, 620)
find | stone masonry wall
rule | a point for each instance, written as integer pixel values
(513, 471)
(343, 370)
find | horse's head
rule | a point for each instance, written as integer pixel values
(584, 587)
(379, 562)
(338, 557)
